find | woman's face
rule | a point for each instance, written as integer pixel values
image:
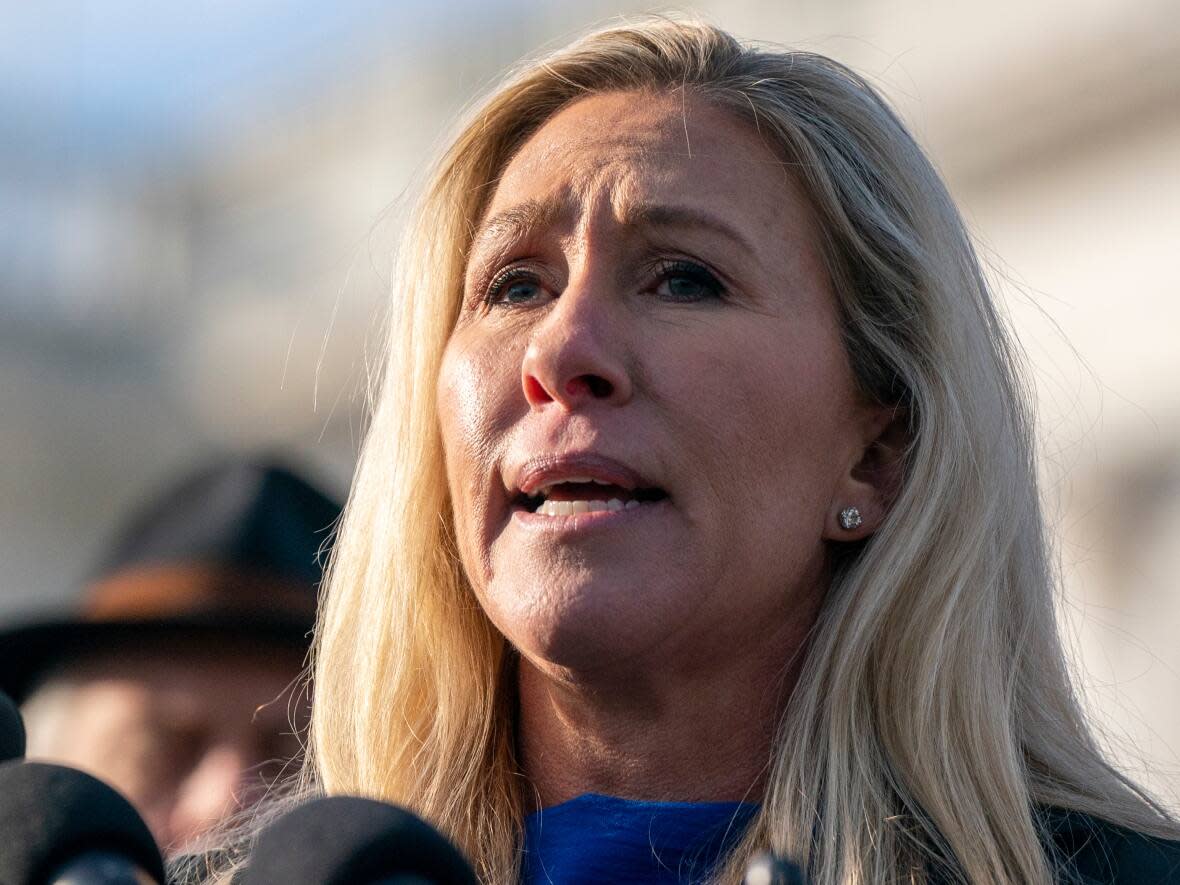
(648, 415)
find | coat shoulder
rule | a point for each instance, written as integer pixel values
(1089, 851)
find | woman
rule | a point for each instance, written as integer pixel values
(702, 473)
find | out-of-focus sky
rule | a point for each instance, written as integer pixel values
(114, 79)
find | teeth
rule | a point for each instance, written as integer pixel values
(570, 508)
(542, 490)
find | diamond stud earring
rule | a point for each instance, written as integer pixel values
(850, 518)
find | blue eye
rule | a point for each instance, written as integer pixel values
(687, 281)
(516, 285)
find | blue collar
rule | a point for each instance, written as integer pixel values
(594, 839)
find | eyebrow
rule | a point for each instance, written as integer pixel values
(652, 215)
(517, 222)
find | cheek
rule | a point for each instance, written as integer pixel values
(476, 408)
(465, 404)
(769, 415)
(479, 399)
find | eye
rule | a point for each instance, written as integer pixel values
(515, 285)
(687, 281)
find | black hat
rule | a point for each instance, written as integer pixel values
(234, 550)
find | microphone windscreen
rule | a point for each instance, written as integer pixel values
(347, 840)
(12, 730)
(50, 814)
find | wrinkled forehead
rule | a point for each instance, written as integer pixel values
(581, 156)
(637, 155)
(629, 124)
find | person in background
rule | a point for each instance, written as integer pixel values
(170, 681)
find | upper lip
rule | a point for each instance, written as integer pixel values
(542, 471)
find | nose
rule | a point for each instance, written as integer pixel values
(576, 355)
(212, 790)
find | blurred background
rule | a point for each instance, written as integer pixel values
(198, 204)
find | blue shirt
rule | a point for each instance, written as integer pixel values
(595, 839)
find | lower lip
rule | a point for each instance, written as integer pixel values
(581, 522)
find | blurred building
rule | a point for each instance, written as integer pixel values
(226, 291)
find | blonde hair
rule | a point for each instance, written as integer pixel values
(934, 712)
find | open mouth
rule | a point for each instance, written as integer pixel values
(585, 495)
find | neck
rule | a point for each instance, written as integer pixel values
(698, 733)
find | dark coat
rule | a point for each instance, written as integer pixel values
(1094, 852)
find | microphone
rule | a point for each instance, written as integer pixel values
(12, 730)
(766, 869)
(63, 827)
(347, 840)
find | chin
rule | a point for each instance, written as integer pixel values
(585, 623)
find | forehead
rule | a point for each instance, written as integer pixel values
(639, 151)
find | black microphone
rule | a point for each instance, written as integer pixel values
(60, 826)
(346, 840)
(12, 730)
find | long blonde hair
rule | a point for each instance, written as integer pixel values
(934, 712)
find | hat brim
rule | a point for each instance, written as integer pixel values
(28, 652)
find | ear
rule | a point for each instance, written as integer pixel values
(873, 478)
